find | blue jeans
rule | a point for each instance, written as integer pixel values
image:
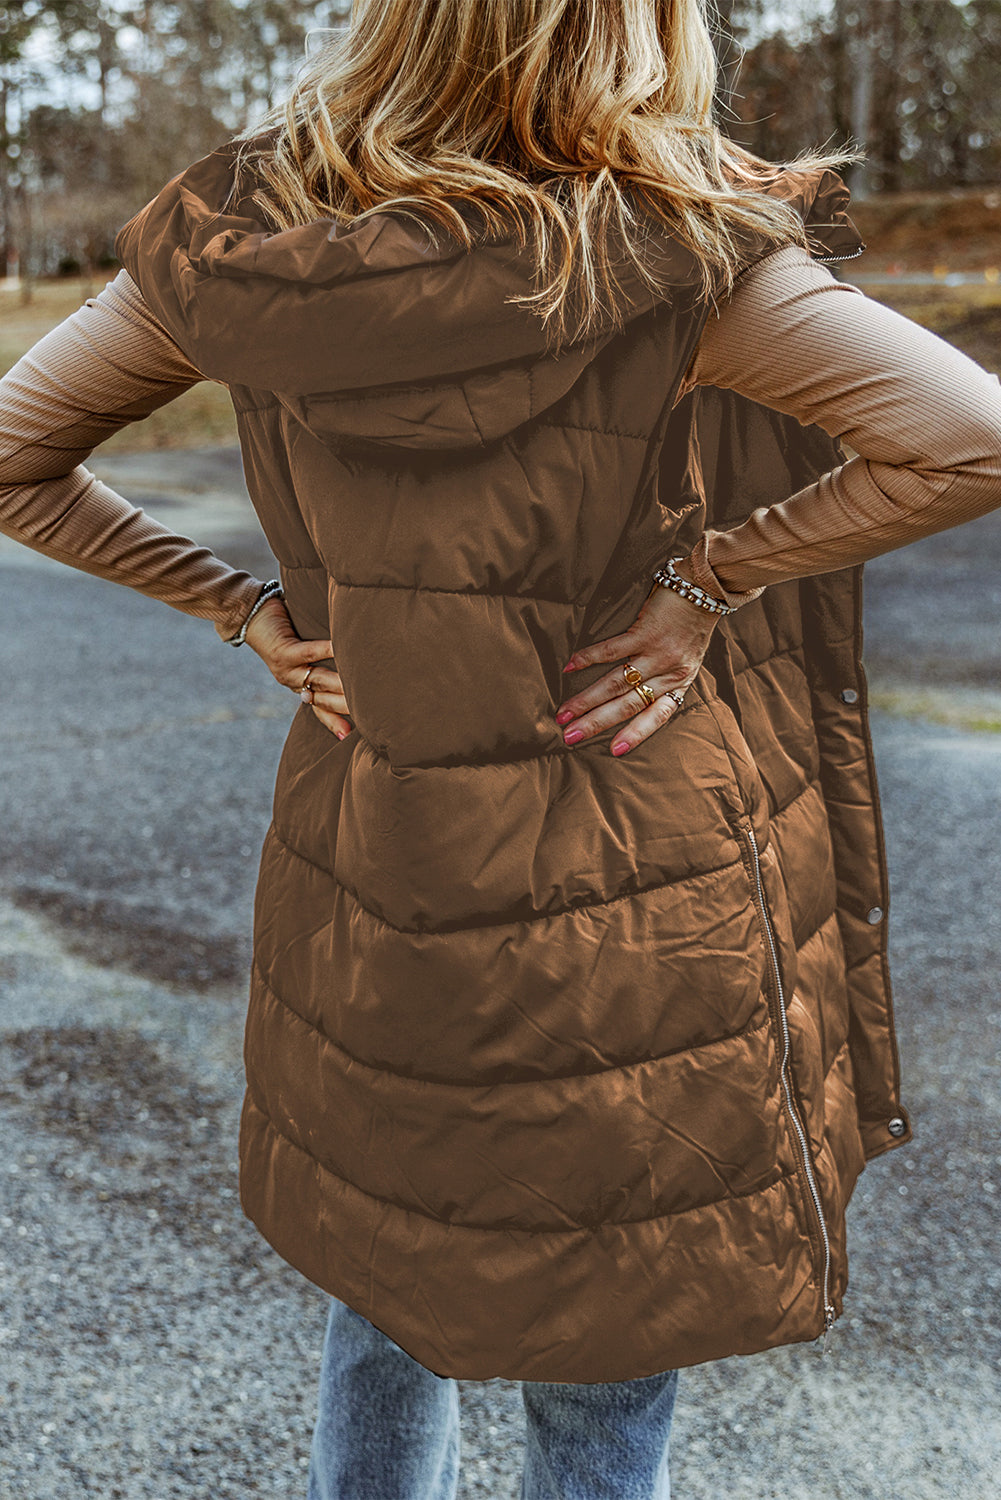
(388, 1429)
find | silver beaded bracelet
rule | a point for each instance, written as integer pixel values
(271, 590)
(669, 578)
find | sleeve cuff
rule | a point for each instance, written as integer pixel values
(238, 613)
(702, 574)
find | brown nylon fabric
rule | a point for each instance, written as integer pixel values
(516, 1035)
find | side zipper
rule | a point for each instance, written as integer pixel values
(747, 834)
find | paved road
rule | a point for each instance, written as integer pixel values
(153, 1346)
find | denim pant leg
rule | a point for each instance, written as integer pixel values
(600, 1441)
(386, 1426)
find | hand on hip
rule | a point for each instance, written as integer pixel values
(290, 660)
(657, 659)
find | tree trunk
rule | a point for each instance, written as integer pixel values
(6, 245)
(888, 57)
(860, 53)
(27, 287)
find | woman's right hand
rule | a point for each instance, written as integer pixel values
(288, 658)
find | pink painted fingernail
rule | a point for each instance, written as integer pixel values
(564, 716)
(572, 736)
(620, 748)
(570, 667)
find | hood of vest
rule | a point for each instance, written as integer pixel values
(375, 333)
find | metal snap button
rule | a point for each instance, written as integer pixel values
(897, 1126)
(874, 915)
(849, 695)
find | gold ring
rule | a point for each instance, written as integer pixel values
(306, 692)
(632, 676)
(646, 693)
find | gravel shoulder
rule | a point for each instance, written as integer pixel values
(152, 1345)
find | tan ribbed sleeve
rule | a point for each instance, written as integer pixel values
(107, 364)
(924, 419)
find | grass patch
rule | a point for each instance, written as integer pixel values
(977, 713)
(960, 227)
(967, 316)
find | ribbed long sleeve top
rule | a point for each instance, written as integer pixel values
(923, 419)
(107, 364)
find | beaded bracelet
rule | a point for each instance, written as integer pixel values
(669, 578)
(271, 590)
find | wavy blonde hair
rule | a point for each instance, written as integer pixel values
(539, 113)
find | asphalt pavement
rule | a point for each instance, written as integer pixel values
(152, 1346)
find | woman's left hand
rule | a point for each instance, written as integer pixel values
(666, 644)
(289, 658)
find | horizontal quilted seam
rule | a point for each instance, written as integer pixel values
(813, 784)
(404, 387)
(797, 648)
(546, 916)
(578, 752)
(749, 1030)
(814, 931)
(474, 593)
(639, 437)
(835, 1059)
(612, 1226)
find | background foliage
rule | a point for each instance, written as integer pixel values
(915, 81)
(101, 102)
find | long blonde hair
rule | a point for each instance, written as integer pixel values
(538, 112)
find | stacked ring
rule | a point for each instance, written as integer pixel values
(635, 681)
(646, 692)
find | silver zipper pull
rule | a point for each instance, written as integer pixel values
(828, 1325)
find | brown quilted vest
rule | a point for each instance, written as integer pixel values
(559, 1067)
